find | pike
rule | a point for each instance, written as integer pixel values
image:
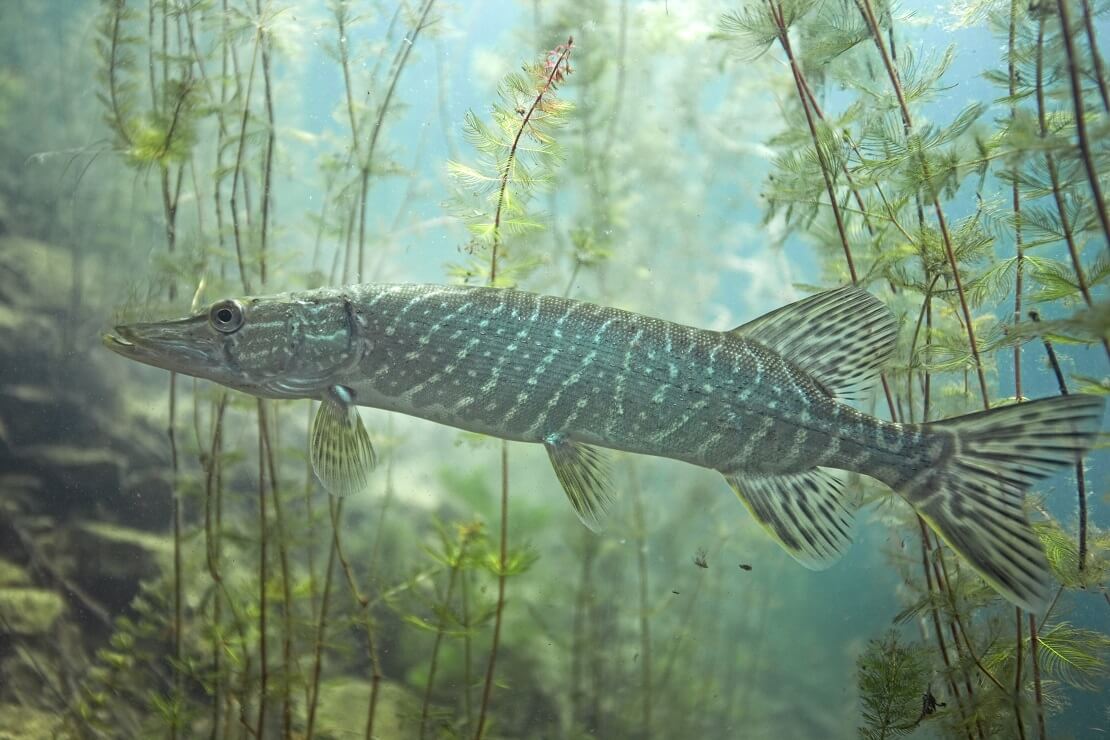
(762, 403)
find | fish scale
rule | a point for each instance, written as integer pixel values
(762, 403)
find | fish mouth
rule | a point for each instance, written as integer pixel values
(183, 346)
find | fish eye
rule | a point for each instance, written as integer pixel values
(226, 316)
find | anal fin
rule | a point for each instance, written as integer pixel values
(339, 446)
(583, 472)
(805, 512)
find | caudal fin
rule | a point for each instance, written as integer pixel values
(973, 493)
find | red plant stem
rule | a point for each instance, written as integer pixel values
(556, 69)
(784, 40)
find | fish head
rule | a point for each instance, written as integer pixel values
(283, 346)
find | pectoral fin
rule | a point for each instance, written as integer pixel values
(583, 472)
(805, 512)
(339, 446)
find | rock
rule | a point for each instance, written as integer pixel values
(36, 415)
(29, 611)
(12, 574)
(75, 480)
(25, 723)
(111, 560)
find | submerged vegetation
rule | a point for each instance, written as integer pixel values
(610, 168)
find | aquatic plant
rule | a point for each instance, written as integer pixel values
(888, 184)
(891, 681)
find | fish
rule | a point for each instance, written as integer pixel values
(767, 404)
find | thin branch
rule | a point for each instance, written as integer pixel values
(1080, 474)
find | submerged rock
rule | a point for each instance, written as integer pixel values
(77, 480)
(110, 560)
(12, 574)
(29, 611)
(24, 723)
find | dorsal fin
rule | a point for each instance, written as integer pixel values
(841, 337)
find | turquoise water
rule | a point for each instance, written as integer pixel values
(163, 572)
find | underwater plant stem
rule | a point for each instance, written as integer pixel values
(942, 221)
(441, 629)
(937, 631)
(468, 699)
(957, 620)
(645, 621)
(387, 499)
(321, 628)
(263, 677)
(811, 108)
(1015, 197)
(345, 65)
(236, 174)
(367, 164)
(507, 169)
(271, 138)
(1054, 177)
(502, 572)
(578, 619)
(286, 580)
(1080, 121)
(1037, 693)
(1019, 274)
(150, 55)
(1018, 665)
(1080, 473)
(113, 65)
(310, 535)
(784, 41)
(178, 596)
(363, 604)
(852, 187)
(1096, 56)
(211, 465)
(955, 627)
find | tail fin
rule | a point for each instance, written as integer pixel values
(973, 493)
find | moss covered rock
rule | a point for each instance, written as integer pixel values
(29, 611)
(24, 723)
(12, 574)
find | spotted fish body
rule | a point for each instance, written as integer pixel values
(762, 403)
(525, 366)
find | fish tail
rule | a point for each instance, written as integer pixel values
(971, 486)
